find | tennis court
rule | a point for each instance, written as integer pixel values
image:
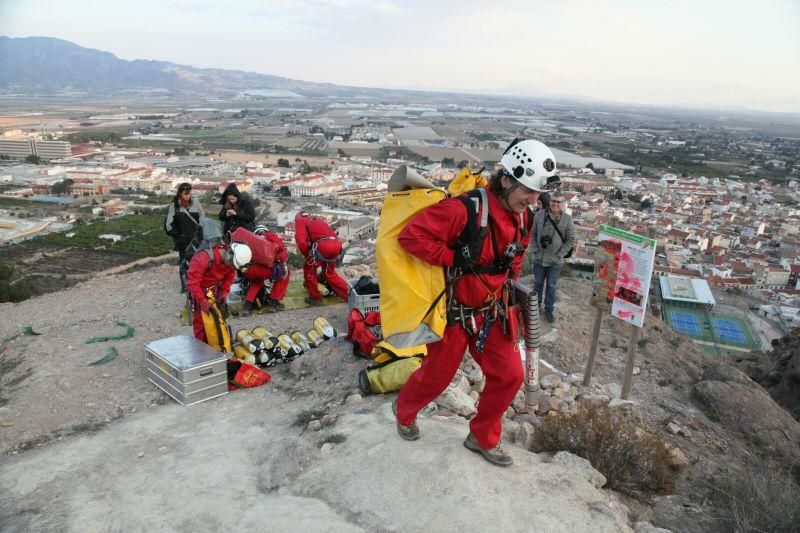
(710, 327)
(731, 331)
(685, 323)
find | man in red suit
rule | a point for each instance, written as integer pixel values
(212, 271)
(479, 272)
(319, 245)
(275, 271)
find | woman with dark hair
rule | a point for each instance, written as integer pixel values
(237, 210)
(543, 202)
(183, 216)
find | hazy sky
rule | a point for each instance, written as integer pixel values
(700, 52)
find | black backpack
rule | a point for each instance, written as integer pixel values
(207, 236)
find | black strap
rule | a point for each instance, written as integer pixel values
(563, 242)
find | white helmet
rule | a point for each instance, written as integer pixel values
(261, 228)
(242, 255)
(532, 164)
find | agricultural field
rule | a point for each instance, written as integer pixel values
(143, 236)
(51, 262)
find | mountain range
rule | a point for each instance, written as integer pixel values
(46, 64)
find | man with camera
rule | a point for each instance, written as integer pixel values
(552, 240)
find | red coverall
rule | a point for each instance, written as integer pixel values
(200, 278)
(309, 230)
(257, 273)
(431, 236)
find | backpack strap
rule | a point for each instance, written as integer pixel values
(210, 265)
(475, 202)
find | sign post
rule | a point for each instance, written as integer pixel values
(624, 266)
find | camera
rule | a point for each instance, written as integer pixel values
(546, 241)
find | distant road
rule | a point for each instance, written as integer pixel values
(142, 261)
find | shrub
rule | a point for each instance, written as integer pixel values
(675, 341)
(16, 290)
(334, 438)
(307, 416)
(759, 499)
(633, 460)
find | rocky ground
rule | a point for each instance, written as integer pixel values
(307, 451)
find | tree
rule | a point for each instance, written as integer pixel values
(35, 159)
(647, 203)
(284, 191)
(283, 162)
(448, 162)
(62, 187)
(463, 163)
(590, 165)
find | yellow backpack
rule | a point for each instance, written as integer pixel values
(413, 312)
(410, 286)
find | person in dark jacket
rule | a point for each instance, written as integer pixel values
(237, 210)
(183, 216)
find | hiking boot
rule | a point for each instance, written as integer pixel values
(496, 455)
(274, 305)
(409, 432)
(312, 301)
(549, 316)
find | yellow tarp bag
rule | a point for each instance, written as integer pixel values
(466, 181)
(218, 334)
(408, 284)
(390, 369)
(390, 376)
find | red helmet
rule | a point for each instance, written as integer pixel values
(328, 250)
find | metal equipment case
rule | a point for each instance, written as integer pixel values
(188, 370)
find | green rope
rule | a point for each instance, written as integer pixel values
(110, 355)
(128, 334)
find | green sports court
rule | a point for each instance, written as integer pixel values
(710, 327)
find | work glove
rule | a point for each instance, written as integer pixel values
(279, 271)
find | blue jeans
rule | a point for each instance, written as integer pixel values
(549, 274)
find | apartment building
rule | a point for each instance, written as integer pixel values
(22, 148)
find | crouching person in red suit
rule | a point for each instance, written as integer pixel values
(276, 273)
(479, 272)
(213, 271)
(319, 245)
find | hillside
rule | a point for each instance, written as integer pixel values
(44, 63)
(100, 447)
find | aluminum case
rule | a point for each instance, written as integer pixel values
(188, 370)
